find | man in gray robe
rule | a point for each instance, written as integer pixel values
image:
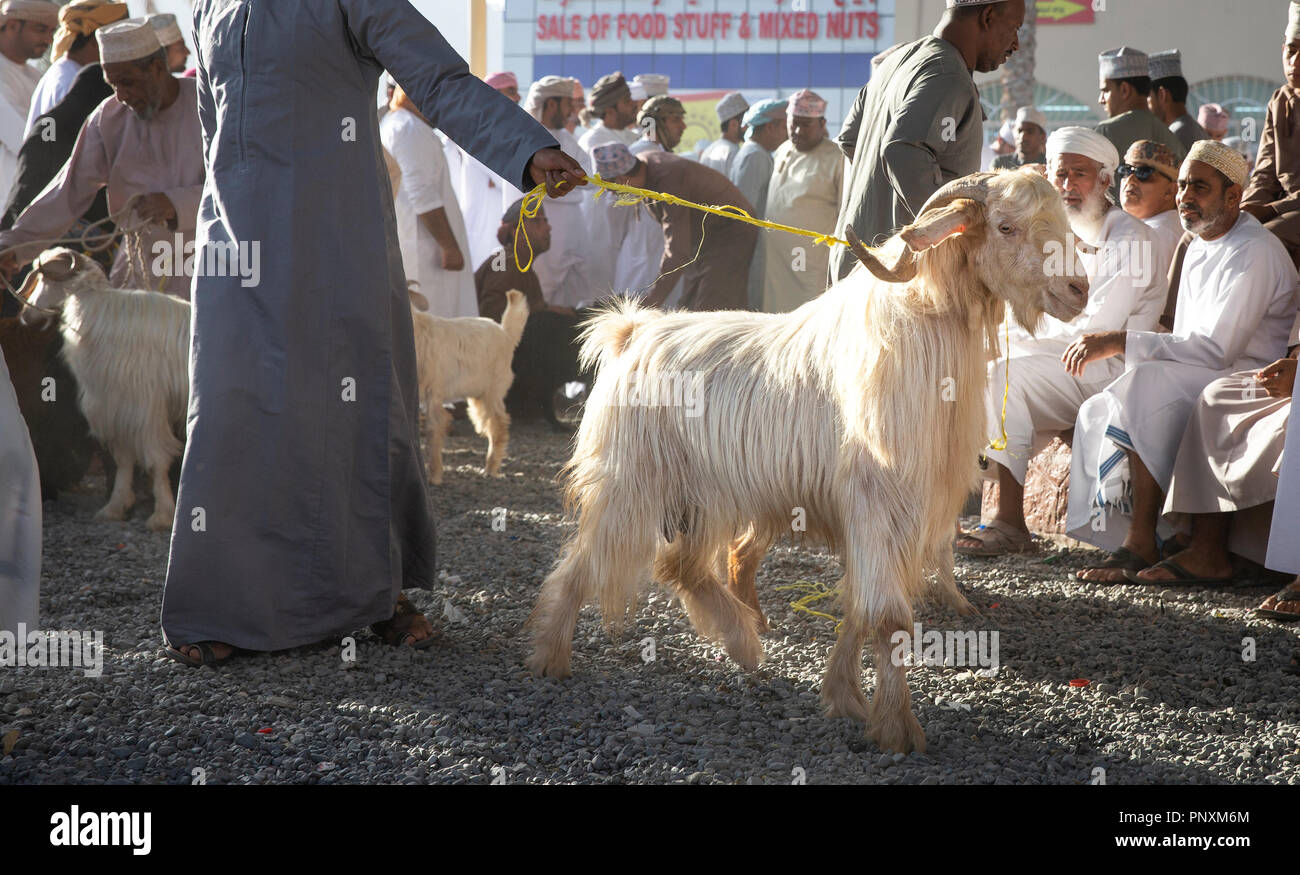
(1168, 98)
(303, 510)
(918, 124)
(1125, 86)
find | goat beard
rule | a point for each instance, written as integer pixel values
(1087, 218)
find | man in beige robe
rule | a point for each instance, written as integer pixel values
(1274, 193)
(804, 192)
(146, 144)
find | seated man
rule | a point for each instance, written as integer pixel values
(1236, 303)
(1031, 140)
(1227, 463)
(547, 356)
(1149, 191)
(1273, 196)
(1125, 293)
(714, 269)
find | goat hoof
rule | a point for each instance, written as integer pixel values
(853, 706)
(745, 651)
(541, 665)
(900, 734)
(111, 514)
(160, 522)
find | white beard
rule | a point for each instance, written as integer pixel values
(1086, 220)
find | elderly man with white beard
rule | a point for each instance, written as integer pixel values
(1236, 304)
(1125, 293)
(562, 269)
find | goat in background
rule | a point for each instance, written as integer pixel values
(129, 352)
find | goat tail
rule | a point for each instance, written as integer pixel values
(607, 333)
(515, 316)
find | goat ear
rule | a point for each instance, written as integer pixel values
(931, 229)
(419, 301)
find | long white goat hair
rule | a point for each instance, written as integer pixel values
(130, 391)
(862, 413)
(129, 350)
(772, 379)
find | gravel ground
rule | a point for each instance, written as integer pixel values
(1170, 699)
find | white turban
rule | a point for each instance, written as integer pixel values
(127, 40)
(1085, 142)
(544, 89)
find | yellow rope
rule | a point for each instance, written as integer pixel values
(815, 592)
(1000, 444)
(631, 195)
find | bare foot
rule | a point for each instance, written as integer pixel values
(1195, 564)
(1286, 605)
(407, 628)
(200, 653)
(1112, 571)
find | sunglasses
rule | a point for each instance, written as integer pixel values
(1143, 172)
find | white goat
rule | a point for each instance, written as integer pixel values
(467, 358)
(129, 350)
(841, 410)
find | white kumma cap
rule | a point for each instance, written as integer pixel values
(128, 40)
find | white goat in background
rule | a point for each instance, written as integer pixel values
(129, 350)
(838, 409)
(467, 358)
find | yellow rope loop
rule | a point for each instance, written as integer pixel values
(1000, 444)
(528, 209)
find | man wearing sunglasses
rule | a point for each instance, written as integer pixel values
(1148, 185)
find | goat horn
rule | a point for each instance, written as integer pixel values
(58, 267)
(974, 187)
(29, 285)
(902, 271)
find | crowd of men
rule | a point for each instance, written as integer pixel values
(773, 160)
(1142, 384)
(1173, 386)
